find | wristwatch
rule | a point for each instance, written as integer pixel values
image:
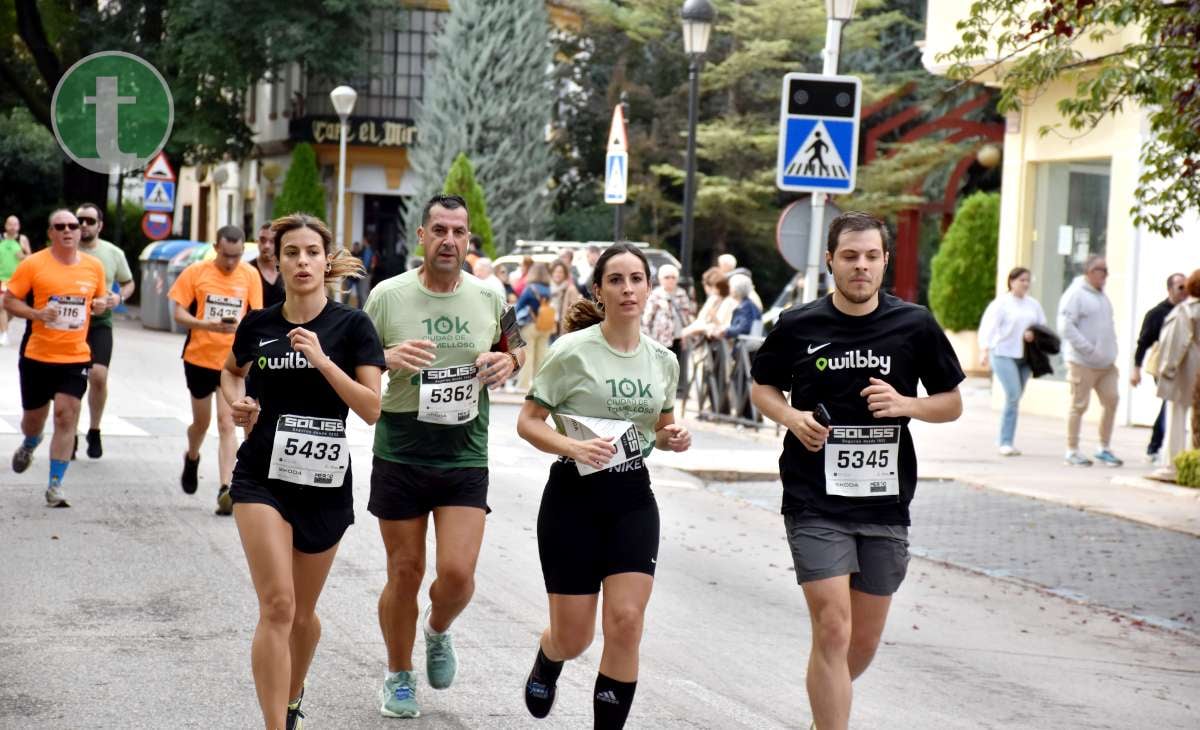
(516, 362)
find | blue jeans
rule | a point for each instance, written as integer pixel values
(1012, 374)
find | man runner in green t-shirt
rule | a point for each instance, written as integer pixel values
(13, 248)
(100, 329)
(444, 341)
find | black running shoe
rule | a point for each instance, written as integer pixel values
(539, 696)
(295, 718)
(224, 501)
(190, 480)
(95, 450)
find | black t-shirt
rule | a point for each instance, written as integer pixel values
(272, 293)
(285, 383)
(824, 356)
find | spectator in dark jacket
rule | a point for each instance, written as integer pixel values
(1151, 327)
(746, 313)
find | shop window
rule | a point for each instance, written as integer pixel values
(1070, 225)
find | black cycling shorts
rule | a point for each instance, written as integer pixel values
(201, 382)
(318, 516)
(405, 491)
(41, 381)
(595, 526)
(100, 339)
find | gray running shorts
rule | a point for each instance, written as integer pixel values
(874, 556)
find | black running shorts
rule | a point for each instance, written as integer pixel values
(406, 491)
(319, 516)
(40, 381)
(201, 382)
(100, 339)
(595, 526)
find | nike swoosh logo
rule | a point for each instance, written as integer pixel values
(812, 349)
(267, 342)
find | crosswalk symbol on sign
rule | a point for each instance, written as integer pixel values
(818, 133)
(817, 157)
(159, 196)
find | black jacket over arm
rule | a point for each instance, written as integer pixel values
(1151, 326)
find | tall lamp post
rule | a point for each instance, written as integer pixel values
(837, 14)
(698, 17)
(343, 98)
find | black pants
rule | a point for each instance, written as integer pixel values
(1156, 434)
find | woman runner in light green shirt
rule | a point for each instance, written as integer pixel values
(598, 524)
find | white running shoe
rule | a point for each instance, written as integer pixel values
(1007, 450)
(56, 496)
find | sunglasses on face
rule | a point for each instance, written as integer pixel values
(66, 226)
(86, 221)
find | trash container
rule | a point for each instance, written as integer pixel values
(155, 259)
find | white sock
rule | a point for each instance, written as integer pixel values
(425, 623)
(389, 675)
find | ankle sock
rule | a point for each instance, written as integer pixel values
(546, 670)
(58, 470)
(31, 442)
(611, 701)
(540, 686)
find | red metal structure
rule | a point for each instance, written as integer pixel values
(951, 127)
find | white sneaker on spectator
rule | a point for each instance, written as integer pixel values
(1007, 450)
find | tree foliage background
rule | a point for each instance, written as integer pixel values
(636, 48)
(488, 95)
(210, 54)
(302, 189)
(1029, 45)
(461, 181)
(964, 269)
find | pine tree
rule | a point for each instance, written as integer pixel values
(488, 95)
(964, 269)
(302, 188)
(461, 181)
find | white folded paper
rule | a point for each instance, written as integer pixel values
(585, 428)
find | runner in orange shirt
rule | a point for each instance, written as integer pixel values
(58, 290)
(211, 297)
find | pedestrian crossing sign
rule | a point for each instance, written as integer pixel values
(159, 196)
(818, 133)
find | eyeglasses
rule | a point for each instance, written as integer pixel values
(65, 226)
(86, 221)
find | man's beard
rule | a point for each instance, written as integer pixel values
(87, 239)
(856, 298)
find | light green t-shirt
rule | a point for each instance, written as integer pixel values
(584, 376)
(10, 256)
(463, 324)
(116, 268)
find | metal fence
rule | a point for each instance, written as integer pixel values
(720, 380)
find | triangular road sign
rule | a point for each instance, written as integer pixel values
(160, 169)
(817, 157)
(616, 133)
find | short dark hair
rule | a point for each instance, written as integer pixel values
(93, 206)
(854, 220)
(1015, 274)
(476, 242)
(265, 225)
(1176, 275)
(449, 202)
(233, 234)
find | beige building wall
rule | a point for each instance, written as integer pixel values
(1037, 170)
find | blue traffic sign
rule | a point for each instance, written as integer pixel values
(616, 177)
(818, 133)
(159, 196)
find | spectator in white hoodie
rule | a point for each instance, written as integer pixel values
(1085, 321)
(1002, 337)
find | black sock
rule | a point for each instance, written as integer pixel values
(611, 702)
(546, 670)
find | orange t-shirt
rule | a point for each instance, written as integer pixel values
(42, 280)
(210, 294)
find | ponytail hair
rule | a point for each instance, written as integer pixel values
(586, 313)
(341, 262)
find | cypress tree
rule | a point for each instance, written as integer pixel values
(964, 269)
(489, 95)
(461, 181)
(302, 188)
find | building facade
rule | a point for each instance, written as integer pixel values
(1066, 196)
(293, 107)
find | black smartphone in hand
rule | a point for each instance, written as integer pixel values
(821, 415)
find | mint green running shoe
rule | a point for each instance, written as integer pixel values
(399, 696)
(440, 662)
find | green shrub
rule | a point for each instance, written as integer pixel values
(1187, 468)
(964, 270)
(461, 181)
(302, 188)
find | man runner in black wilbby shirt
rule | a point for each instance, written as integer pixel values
(846, 487)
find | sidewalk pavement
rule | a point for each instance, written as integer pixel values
(965, 451)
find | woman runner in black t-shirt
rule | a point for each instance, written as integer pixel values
(296, 370)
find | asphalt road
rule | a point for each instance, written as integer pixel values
(133, 609)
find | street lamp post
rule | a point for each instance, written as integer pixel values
(837, 14)
(343, 98)
(698, 17)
